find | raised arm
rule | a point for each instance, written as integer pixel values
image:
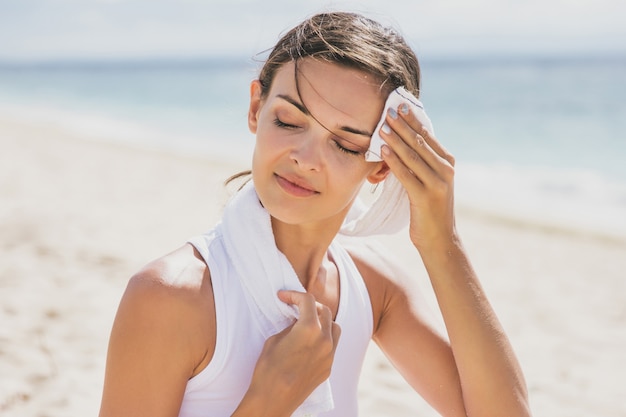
(479, 357)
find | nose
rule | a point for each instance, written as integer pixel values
(307, 153)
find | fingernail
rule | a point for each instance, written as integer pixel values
(386, 129)
(404, 108)
(393, 113)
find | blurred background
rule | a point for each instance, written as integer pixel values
(119, 120)
(530, 96)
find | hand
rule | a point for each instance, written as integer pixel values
(296, 360)
(426, 170)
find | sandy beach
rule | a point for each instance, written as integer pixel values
(78, 217)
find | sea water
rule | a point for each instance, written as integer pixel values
(541, 141)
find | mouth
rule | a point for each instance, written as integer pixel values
(295, 186)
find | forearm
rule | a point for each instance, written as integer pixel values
(491, 378)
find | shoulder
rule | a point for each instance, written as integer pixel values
(180, 276)
(170, 302)
(182, 269)
(378, 264)
(387, 279)
(163, 334)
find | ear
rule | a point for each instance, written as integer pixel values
(255, 105)
(379, 173)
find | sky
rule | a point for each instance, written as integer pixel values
(40, 30)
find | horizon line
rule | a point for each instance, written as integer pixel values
(233, 60)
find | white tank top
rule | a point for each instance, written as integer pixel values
(218, 389)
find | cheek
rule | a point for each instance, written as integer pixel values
(271, 137)
(350, 168)
(266, 143)
(348, 176)
(269, 148)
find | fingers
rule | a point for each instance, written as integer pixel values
(311, 312)
(314, 318)
(419, 151)
(305, 302)
(424, 135)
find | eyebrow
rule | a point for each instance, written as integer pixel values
(306, 112)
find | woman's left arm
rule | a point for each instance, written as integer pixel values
(490, 378)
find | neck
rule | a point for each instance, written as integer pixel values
(306, 248)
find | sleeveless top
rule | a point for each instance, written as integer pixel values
(218, 389)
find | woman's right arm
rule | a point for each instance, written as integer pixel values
(164, 334)
(163, 329)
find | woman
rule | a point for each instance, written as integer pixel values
(194, 334)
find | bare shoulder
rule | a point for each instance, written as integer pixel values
(171, 299)
(379, 266)
(180, 273)
(163, 334)
(387, 280)
(178, 283)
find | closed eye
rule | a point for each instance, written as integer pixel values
(346, 150)
(284, 125)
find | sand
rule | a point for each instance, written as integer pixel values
(78, 217)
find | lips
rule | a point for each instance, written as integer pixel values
(295, 186)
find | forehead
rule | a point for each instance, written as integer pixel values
(332, 91)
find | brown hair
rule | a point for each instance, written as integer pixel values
(347, 39)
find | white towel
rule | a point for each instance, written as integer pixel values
(264, 270)
(389, 213)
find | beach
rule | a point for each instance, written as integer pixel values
(79, 216)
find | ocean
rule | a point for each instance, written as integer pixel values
(537, 140)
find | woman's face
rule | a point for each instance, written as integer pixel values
(309, 162)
